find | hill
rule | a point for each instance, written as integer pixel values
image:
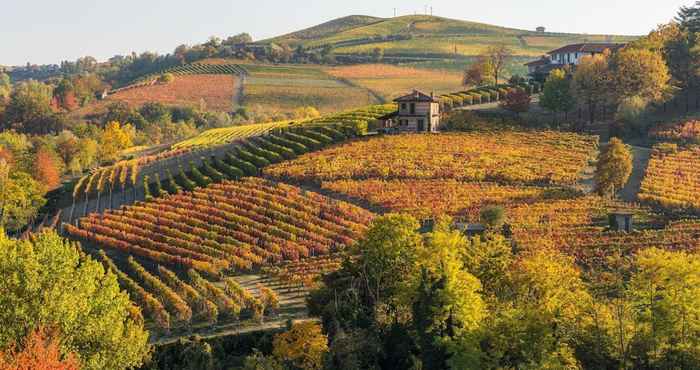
(429, 36)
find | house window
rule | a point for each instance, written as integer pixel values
(413, 108)
(403, 106)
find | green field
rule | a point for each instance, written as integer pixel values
(419, 35)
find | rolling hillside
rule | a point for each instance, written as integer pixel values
(428, 36)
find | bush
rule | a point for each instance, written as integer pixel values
(631, 109)
(358, 128)
(166, 78)
(492, 216)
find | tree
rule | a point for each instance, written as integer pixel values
(53, 284)
(665, 292)
(40, 350)
(516, 101)
(29, 110)
(302, 346)
(64, 95)
(492, 216)
(478, 73)
(639, 72)
(498, 56)
(20, 198)
(46, 168)
(556, 96)
(115, 138)
(187, 354)
(591, 82)
(614, 167)
(5, 88)
(166, 78)
(447, 308)
(377, 55)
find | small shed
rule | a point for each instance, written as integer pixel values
(470, 230)
(621, 221)
(541, 29)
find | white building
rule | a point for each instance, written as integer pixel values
(569, 55)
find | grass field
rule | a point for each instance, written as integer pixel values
(391, 81)
(216, 92)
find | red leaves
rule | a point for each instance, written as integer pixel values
(40, 351)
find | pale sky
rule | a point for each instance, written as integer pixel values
(48, 31)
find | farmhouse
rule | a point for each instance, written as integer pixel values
(416, 111)
(569, 55)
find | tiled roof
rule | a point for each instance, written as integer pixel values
(539, 62)
(416, 96)
(587, 48)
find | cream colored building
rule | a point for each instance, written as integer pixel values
(417, 112)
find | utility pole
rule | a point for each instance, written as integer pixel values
(394, 12)
(431, 11)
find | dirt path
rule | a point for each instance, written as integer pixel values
(640, 163)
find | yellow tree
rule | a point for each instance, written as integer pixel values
(115, 138)
(497, 57)
(302, 346)
(614, 167)
(640, 72)
(591, 82)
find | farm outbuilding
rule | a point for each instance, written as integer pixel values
(417, 111)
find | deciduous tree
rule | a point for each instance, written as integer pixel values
(115, 138)
(50, 283)
(614, 167)
(46, 168)
(556, 96)
(516, 101)
(40, 350)
(639, 72)
(302, 346)
(498, 56)
(591, 82)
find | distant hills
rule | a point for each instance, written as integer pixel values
(422, 36)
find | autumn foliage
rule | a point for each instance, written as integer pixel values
(46, 168)
(40, 351)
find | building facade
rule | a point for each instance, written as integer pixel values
(416, 112)
(569, 55)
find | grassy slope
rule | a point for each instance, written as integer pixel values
(435, 35)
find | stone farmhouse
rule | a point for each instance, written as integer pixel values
(416, 112)
(569, 55)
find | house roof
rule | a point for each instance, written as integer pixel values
(588, 48)
(539, 62)
(389, 116)
(416, 96)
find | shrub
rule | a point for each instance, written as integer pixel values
(492, 216)
(166, 78)
(358, 128)
(631, 109)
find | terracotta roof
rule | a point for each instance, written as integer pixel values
(587, 48)
(416, 96)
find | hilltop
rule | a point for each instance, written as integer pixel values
(428, 36)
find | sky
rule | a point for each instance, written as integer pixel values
(48, 31)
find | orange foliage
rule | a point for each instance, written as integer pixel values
(46, 169)
(6, 155)
(40, 352)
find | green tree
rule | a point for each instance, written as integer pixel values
(614, 167)
(377, 55)
(665, 293)
(5, 87)
(49, 283)
(29, 109)
(21, 197)
(447, 308)
(556, 96)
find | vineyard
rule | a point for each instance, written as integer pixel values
(686, 132)
(391, 81)
(169, 301)
(198, 69)
(232, 226)
(513, 157)
(212, 92)
(673, 178)
(230, 134)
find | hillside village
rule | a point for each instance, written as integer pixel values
(414, 192)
